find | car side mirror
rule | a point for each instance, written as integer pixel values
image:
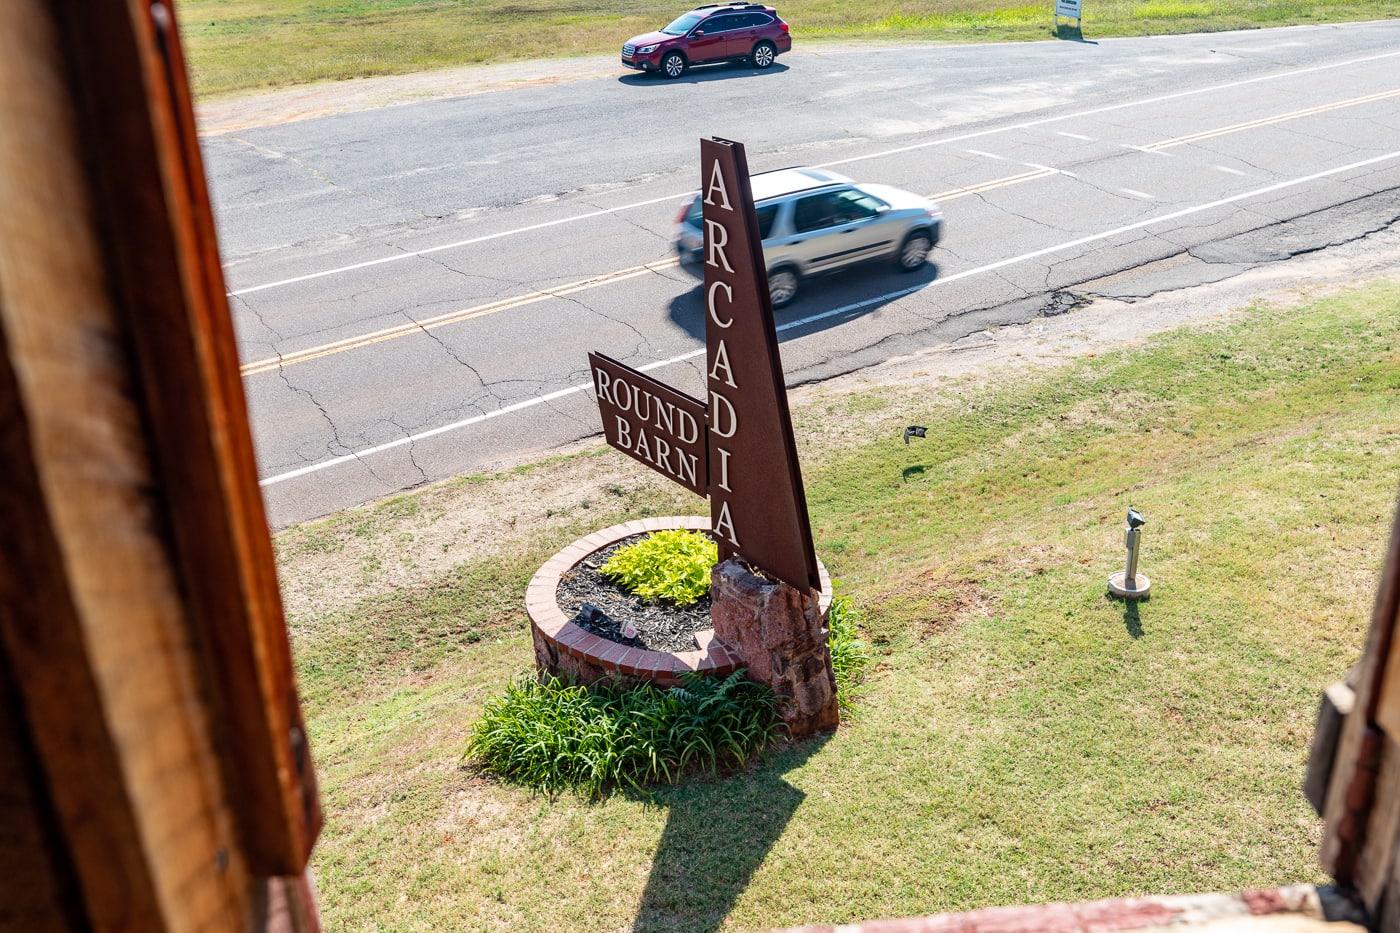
(697, 33)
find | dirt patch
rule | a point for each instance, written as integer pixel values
(950, 601)
(412, 539)
(473, 813)
(935, 602)
(331, 98)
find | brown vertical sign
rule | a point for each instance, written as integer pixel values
(738, 448)
(758, 509)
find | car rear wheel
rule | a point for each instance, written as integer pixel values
(782, 286)
(913, 251)
(673, 65)
(763, 54)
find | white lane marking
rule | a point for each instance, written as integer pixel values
(1174, 215)
(1142, 149)
(847, 309)
(460, 243)
(874, 155)
(985, 155)
(1133, 193)
(464, 423)
(1276, 119)
(1109, 108)
(1045, 168)
(1232, 171)
(1087, 139)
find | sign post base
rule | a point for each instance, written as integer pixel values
(780, 632)
(1137, 588)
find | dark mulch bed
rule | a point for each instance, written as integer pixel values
(660, 627)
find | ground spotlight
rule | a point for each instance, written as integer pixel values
(1128, 583)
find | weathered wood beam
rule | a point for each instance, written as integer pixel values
(1353, 850)
(137, 121)
(149, 694)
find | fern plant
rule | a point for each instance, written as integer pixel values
(665, 566)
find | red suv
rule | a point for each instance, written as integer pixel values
(715, 32)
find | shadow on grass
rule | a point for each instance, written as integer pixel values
(1132, 619)
(1072, 34)
(716, 836)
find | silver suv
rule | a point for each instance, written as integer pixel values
(815, 221)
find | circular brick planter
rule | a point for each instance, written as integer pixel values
(563, 648)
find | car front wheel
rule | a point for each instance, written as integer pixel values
(782, 286)
(763, 54)
(673, 65)
(913, 252)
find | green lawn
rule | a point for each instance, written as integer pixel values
(1023, 737)
(238, 45)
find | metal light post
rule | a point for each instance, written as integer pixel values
(1128, 583)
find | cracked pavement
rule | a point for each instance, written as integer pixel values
(421, 283)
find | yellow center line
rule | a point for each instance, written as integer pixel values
(1268, 121)
(953, 194)
(529, 298)
(452, 317)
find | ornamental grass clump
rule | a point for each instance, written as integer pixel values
(552, 736)
(666, 566)
(849, 655)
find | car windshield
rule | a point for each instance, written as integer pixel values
(682, 25)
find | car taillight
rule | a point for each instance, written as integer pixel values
(783, 27)
(680, 215)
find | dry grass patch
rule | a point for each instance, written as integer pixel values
(407, 541)
(934, 603)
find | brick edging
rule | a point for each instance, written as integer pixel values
(548, 622)
(1120, 914)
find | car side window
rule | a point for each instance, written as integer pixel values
(694, 216)
(815, 212)
(718, 24)
(766, 215)
(853, 205)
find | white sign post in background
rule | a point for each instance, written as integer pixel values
(1068, 9)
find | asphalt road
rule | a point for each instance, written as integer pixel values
(415, 287)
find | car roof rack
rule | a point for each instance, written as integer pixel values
(736, 5)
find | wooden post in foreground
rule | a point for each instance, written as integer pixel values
(1354, 770)
(154, 769)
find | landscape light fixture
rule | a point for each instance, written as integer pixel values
(1128, 583)
(590, 614)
